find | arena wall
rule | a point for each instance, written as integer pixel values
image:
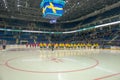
(15, 46)
(115, 47)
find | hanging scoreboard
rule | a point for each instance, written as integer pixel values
(52, 9)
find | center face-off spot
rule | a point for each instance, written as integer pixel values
(34, 64)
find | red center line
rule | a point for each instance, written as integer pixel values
(108, 76)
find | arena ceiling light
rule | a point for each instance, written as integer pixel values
(5, 3)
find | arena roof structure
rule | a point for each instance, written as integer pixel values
(74, 10)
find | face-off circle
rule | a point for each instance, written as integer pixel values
(34, 64)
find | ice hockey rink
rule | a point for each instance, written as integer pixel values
(79, 64)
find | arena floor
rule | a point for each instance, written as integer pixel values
(83, 64)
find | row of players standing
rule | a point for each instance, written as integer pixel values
(63, 45)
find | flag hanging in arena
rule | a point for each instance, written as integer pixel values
(52, 9)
